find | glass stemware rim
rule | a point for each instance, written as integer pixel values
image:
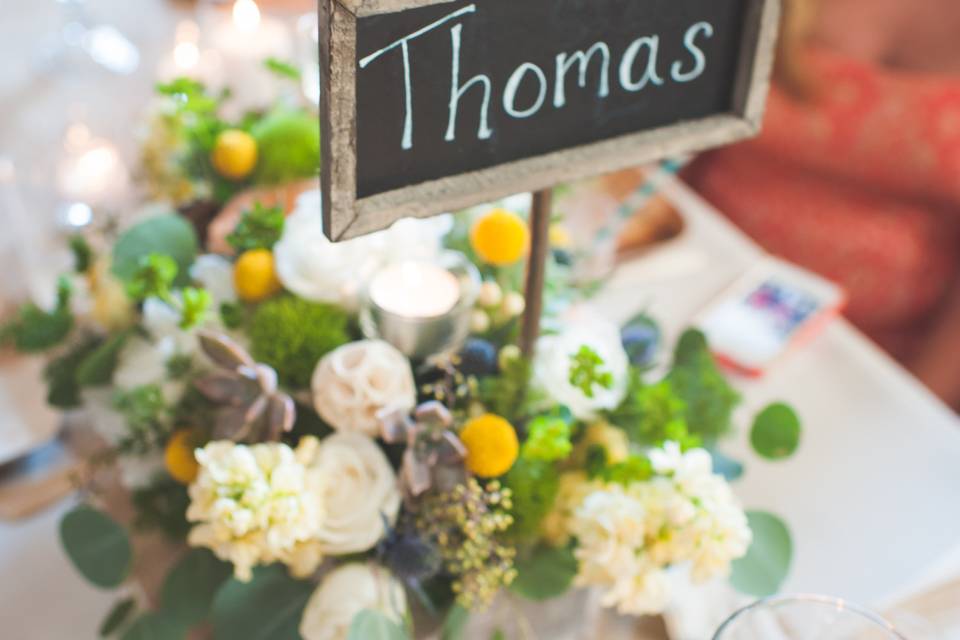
(841, 604)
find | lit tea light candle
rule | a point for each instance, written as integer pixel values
(244, 40)
(415, 290)
(421, 307)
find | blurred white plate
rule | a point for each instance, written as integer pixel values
(26, 421)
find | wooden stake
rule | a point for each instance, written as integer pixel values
(536, 269)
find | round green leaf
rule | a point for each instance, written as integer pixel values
(546, 574)
(98, 547)
(118, 616)
(762, 571)
(726, 466)
(373, 625)
(190, 586)
(155, 626)
(269, 607)
(776, 432)
(167, 234)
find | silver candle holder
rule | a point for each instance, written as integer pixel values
(420, 335)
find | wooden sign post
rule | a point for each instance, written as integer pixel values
(430, 106)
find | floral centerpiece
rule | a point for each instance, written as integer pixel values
(326, 482)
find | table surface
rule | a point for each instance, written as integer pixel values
(870, 497)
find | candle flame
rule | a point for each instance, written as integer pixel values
(186, 55)
(246, 15)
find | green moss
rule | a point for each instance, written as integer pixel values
(288, 143)
(291, 335)
(534, 484)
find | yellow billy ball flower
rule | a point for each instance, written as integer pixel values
(234, 154)
(255, 276)
(492, 445)
(500, 237)
(179, 458)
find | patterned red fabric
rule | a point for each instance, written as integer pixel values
(861, 185)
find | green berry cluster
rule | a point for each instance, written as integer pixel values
(466, 524)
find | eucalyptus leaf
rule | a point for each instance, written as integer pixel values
(155, 626)
(117, 617)
(726, 466)
(776, 432)
(374, 625)
(98, 547)
(269, 607)
(454, 623)
(189, 588)
(166, 234)
(762, 571)
(547, 573)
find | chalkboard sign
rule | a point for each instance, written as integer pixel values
(433, 105)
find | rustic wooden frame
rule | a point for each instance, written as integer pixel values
(345, 216)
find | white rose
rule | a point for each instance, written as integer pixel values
(554, 359)
(353, 383)
(312, 267)
(361, 488)
(344, 593)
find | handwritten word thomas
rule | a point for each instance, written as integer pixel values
(637, 68)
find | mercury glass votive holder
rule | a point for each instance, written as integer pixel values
(419, 337)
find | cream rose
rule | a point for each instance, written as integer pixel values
(360, 486)
(352, 384)
(344, 593)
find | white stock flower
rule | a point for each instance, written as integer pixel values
(258, 504)
(629, 536)
(360, 491)
(345, 592)
(314, 268)
(555, 357)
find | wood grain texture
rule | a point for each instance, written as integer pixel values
(361, 8)
(536, 269)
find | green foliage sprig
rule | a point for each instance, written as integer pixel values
(34, 330)
(259, 228)
(548, 439)
(587, 372)
(534, 484)
(697, 380)
(153, 278)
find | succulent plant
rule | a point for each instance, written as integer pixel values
(252, 406)
(434, 454)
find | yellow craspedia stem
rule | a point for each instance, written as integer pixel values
(234, 154)
(255, 276)
(500, 237)
(492, 445)
(179, 458)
